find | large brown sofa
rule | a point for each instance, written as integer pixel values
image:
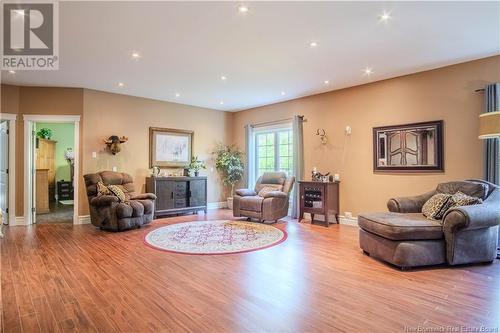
(405, 238)
(108, 213)
(269, 207)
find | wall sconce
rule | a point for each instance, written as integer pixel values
(322, 135)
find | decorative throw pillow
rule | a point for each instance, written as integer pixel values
(266, 189)
(462, 199)
(118, 192)
(102, 189)
(437, 205)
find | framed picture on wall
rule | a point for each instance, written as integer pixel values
(171, 148)
(414, 147)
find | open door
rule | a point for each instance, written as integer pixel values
(4, 169)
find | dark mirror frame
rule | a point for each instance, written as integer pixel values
(439, 167)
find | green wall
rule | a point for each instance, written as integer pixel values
(65, 137)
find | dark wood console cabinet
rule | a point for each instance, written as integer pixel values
(320, 198)
(176, 195)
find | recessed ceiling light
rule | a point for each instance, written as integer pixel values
(12, 72)
(368, 71)
(282, 93)
(121, 84)
(313, 44)
(242, 8)
(223, 77)
(221, 102)
(326, 82)
(177, 95)
(385, 16)
(136, 55)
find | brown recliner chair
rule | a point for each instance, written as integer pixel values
(272, 205)
(106, 212)
(405, 238)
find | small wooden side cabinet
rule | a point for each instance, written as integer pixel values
(319, 198)
(176, 195)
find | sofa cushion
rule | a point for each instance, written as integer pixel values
(253, 203)
(474, 189)
(397, 226)
(266, 189)
(461, 199)
(437, 205)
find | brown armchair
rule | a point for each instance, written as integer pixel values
(269, 206)
(106, 212)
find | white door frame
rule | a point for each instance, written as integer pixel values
(29, 120)
(11, 118)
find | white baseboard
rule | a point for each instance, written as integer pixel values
(82, 219)
(217, 205)
(18, 220)
(348, 220)
(342, 219)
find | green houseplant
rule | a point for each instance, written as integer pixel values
(196, 165)
(229, 163)
(44, 133)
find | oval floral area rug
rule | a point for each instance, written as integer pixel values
(214, 237)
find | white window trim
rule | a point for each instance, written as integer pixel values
(29, 121)
(275, 128)
(11, 118)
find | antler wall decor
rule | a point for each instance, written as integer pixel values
(114, 143)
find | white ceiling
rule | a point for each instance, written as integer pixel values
(185, 47)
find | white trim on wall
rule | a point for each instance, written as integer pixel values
(217, 205)
(29, 120)
(11, 118)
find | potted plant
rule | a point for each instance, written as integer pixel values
(229, 163)
(44, 133)
(196, 165)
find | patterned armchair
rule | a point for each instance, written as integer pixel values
(268, 201)
(108, 213)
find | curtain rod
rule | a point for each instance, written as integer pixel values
(479, 90)
(274, 122)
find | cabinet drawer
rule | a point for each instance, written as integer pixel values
(180, 203)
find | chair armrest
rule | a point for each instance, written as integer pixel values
(103, 200)
(471, 217)
(409, 204)
(245, 192)
(144, 196)
(275, 194)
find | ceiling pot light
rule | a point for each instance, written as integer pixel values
(136, 55)
(177, 95)
(368, 71)
(121, 84)
(326, 82)
(282, 93)
(223, 77)
(242, 8)
(313, 44)
(221, 102)
(385, 16)
(12, 72)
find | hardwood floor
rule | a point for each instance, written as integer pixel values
(64, 278)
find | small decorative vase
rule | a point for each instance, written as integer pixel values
(196, 173)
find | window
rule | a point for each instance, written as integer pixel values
(274, 151)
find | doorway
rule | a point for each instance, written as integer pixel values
(4, 169)
(51, 169)
(54, 172)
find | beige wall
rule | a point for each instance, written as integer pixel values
(446, 93)
(36, 101)
(108, 114)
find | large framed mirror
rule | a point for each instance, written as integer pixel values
(414, 147)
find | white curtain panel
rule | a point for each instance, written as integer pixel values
(250, 156)
(298, 161)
